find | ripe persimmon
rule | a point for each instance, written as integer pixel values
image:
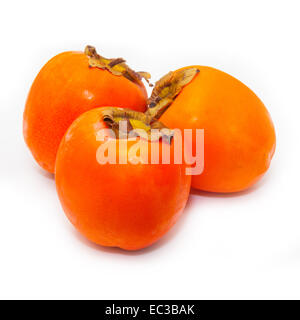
(128, 205)
(239, 136)
(70, 84)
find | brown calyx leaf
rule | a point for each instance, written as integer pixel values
(167, 89)
(116, 66)
(126, 121)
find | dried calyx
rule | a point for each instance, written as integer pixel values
(128, 123)
(167, 89)
(116, 66)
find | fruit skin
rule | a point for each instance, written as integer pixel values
(239, 136)
(119, 205)
(65, 88)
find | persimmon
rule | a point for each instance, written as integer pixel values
(70, 84)
(128, 204)
(239, 136)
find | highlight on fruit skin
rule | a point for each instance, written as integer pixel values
(68, 85)
(239, 135)
(127, 205)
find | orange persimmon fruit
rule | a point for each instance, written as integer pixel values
(127, 205)
(70, 84)
(239, 136)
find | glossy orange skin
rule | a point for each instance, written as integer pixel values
(128, 205)
(65, 88)
(239, 136)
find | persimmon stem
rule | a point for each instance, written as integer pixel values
(167, 89)
(116, 66)
(135, 123)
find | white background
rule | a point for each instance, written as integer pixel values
(225, 246)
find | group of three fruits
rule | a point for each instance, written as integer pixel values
(132, 205)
